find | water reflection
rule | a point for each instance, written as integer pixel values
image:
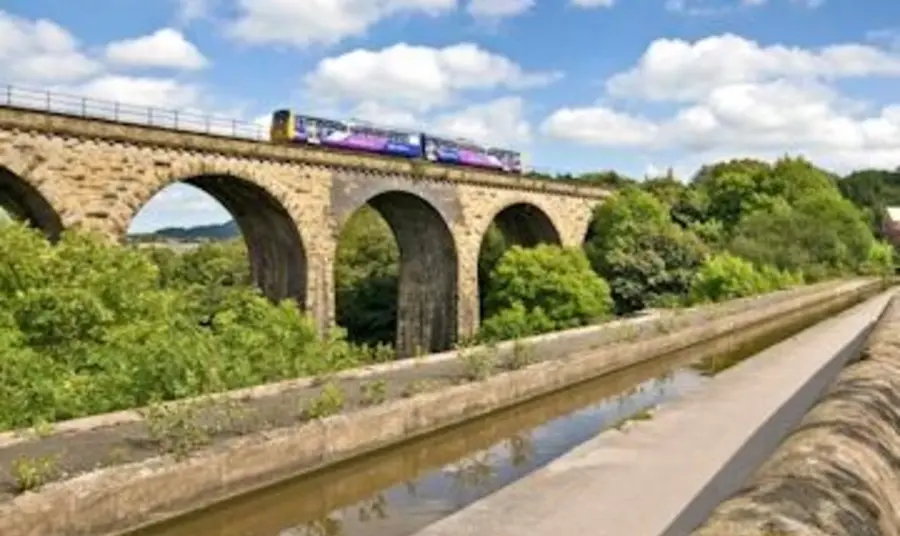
(399, 491)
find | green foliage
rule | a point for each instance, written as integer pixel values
(87, 328)
(635, 245)
(725, 277)
(32, 473)
(821, 234)
(542, 289)
(330, 401)
(477, 364)
(366, 275)
(373, 393)
(880, 260)
(176, 428)
(493, 245)
(872, 190)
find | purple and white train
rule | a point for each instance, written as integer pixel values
(288, 127)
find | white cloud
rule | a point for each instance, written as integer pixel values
(499, 122)
(164, 48)
(141, 91)
(418, 77)
(386, 115)
(499, 9)
(593, 3)
(600, 126)
(677, 70)
(720, 7)
(302, 23)
(40, 52)
(190, 10)
(745, 100)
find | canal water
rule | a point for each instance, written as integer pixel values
(399, 491)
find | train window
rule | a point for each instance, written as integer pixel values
(281, 117)
(446, 144)
(399, 137)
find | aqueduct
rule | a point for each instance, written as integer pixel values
(59, 171)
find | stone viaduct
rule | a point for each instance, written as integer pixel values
(58, 171)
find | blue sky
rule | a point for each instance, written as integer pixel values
(631, 85)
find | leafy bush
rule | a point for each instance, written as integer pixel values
(87, 328)
(636, 246)
(726, 276)
(545, 288)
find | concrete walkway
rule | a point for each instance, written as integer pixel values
(664, 476)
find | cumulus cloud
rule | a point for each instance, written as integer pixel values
(678, 70)
(418, 77)
(593, 3)
(141, 91)
(499, 9)
(322, 21)
(499, 122)
(721, 7)
(164, 48)
(190, 10)
(40, 52)
(739, 98)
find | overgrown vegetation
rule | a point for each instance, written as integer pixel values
(86, 328)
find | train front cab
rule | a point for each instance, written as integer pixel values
(282, 127)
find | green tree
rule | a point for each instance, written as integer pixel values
(822, 235)
(367, 278)
(87, 327)
(635, 246)
(493, 246)
(668, 189)
(544, 288)
(872, 190)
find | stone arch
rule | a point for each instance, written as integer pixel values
(262, 210)
(25, 202)
(522, 224)
(427, 300)
(526, 224)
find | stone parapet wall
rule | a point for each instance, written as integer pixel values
(838, 473)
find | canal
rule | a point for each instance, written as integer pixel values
(400, 490)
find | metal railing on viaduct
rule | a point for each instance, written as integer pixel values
(187, 120)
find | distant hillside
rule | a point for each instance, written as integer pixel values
(200, 233)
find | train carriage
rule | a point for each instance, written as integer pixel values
(355, 135)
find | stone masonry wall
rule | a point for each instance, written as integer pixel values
(290, 203)
(838, 474)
